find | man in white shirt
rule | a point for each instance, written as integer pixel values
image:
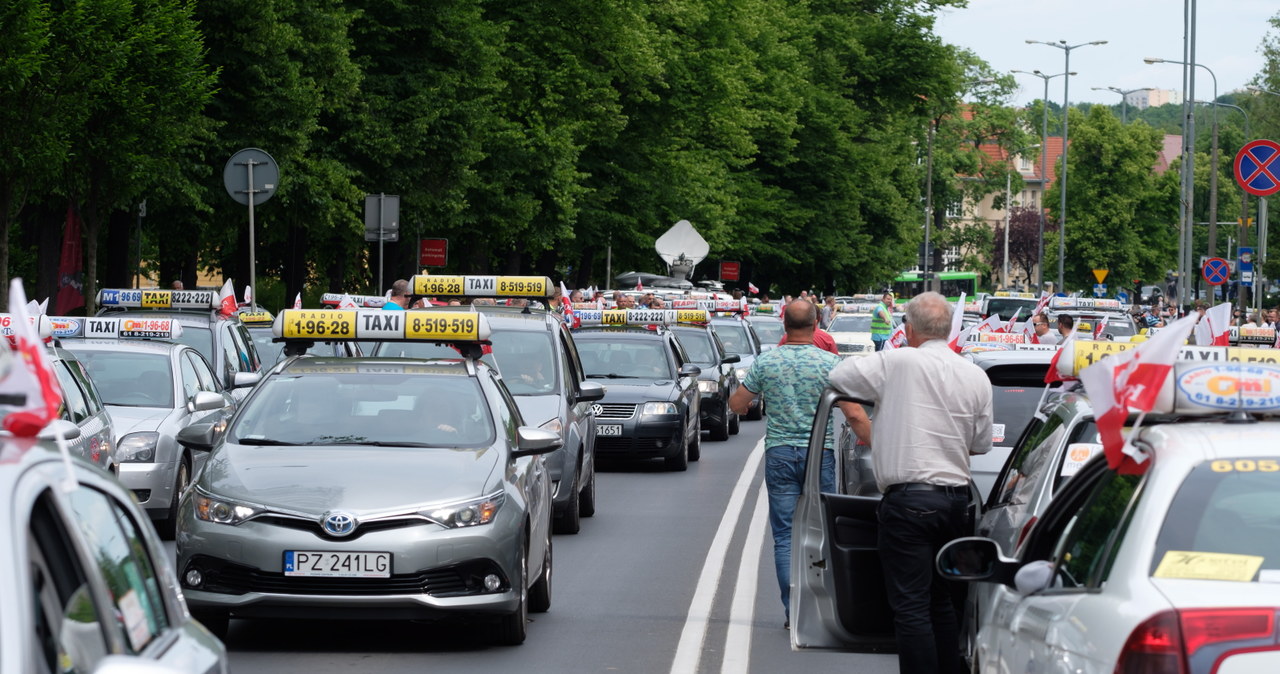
(1040, 322)
(932, 411)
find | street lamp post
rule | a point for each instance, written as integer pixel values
(1008, 203)
(1062, 207)
(1044, 167)
(1244, 196)
(1124, 99)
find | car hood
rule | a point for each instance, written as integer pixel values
(355, 478)
(638, 390)
(538, 410)
(126, 420)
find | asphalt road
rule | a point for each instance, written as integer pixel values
(660, 580)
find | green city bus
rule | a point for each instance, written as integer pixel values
(952, 283)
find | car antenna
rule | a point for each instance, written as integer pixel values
(1239, 416)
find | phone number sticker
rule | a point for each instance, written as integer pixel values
(453, 326)
(319, 324)
(438, 285)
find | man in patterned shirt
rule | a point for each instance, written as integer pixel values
(792, 377)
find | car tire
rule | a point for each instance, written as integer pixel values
(511, 629)
(721, 431)
(569, 521)
(217, 622)
(540, 593)
(587, 497)
(680, 461)
(168, 527)
(695, 448)
(735, 425)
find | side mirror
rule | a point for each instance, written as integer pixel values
(246, 380)
(731, 358)
(767, 347)
(132, 664)
(203, 401)
(589, 391)
(976, 559)
(67, 429)
(199, 437)
(531, 441)
(690, 370)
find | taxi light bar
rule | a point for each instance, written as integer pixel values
(157, 299)
(259, 317)
(370, 301)
(1011, 293)
(641, 316)
(537, 287)
(765, 309)
(857, 307)
(1252, 335)
(1068, 303)
(106, 327)
(336, 325)
(1000, 337)
(44, 326)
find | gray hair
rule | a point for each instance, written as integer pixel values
(930, 315)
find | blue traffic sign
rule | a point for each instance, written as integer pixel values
(1215, 271)
(1257, 167)
(1246, 266)
(1099, 290)
(1123, 297)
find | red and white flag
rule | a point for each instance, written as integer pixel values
(1051, 375)
(346, 302)
(1215, 328)
(1100, 326)
(639, 285)
(897, 338)
(957, 320)
(1131, 381)
(297, 301)
(991, 323)
(1029, 330)
(227, 299)
(1008, 326)
(30, 375)
(751, 288)
(1043, 303)
(248, 295)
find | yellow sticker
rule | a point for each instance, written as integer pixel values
(256, 317)
(438, 285)
(1088, 353)
(442, 325)
(523, 286)
(319, 324)
(691, 316)
(614, 317)
(1208, 566)
(156, 299)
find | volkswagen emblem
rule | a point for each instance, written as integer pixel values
(338, 523)
(597, 409)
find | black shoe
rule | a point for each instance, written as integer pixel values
(786, 625)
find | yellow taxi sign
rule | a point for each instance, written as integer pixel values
(132, 298)
(538, 287)
(328, 325)
(1014, 293)
(1081, 353)
(641, 316)
(259, 317)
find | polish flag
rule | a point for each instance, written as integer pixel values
(227, 299)
(957, 319)
(346, 302)
(991, 323)
(1051, 376)
(29, 376)
(297, 301)
(639, 285)
(248, 295)
(897, 338)
(1131, 380)
(1043, 303)
(1214, 328)
(1100, 326)
(751, 288)
(1008, 326)
(1029, 330)
(564, 292)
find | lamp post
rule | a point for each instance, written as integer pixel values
(1008, 202)
(1044, 170)
(1062, 208)
(1261, 90)
(1244, 196)
(1124, 99)
(1213, 160)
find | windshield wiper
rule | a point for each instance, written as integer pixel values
(612, 375)
(382, 443)
(266, 441)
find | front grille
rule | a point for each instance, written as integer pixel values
(850, 348)
(604, 444)
(143, 495)
(362, 528)
(454, 581)
(616, 411)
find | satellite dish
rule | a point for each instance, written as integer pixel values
(682, 247)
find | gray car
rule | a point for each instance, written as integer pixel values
(374, 488)
(152, 390)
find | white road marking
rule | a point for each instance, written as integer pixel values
(689, 650)
(742, 612)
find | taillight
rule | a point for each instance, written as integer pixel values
(1026, 529)
(1168, 640)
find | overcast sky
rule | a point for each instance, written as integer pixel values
(1230, 33)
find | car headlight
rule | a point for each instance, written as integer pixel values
(467, 513)
(741, 372)
(219, 511)
(659, 408)
(553, 425)
(137, 447)
(708, 386)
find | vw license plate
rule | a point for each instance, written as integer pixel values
(609, 429)
(337, 564)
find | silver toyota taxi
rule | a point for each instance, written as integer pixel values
(372, 487)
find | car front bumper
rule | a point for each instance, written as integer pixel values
(151, 484)
(658, 435)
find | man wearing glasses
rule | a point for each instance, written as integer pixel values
(1040, 322)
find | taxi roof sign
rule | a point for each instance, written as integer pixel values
(641, 316)
(1013, 293)
(1074, 303)
(1081, 353)
(256, 317)
(370, 301)
(130, 298)
(107, 327)
(535, 287)
(44, 328)
(336, 325)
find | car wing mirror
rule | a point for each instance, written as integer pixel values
(531, 441)
(199, 437)
(690, 370)
(67, 429)
(589, 391)
(203, 401)
(731, 358)
(975, 558)
(245, 379)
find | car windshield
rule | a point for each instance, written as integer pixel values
(269, 352)
(850, 324)
(1224, 507)
(1006, 307)
(365, 408)
(1012, 408)
(770, 332)
(697, 343)
(734, 337)
(624, 358)
(127, 378)
(424, 350)
(198, 337)
(526, 360)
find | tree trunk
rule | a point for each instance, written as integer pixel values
(6, 219)
(120, 228)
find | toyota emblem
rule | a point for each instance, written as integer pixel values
(338, 523)
(597, 409)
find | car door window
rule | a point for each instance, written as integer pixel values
(70, 631)
(1019, 477)
(248, 355)
(208, 382)
(77, 410)
(190, 380)
(116, 544)
(93, 404)
(1093, 532)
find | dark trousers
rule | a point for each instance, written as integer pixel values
(914, 525)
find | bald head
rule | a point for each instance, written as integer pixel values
(800, 316)
(929, 315)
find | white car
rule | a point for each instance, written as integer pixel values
(1174, 570)
(852, 333)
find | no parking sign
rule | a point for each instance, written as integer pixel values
(1257, 167)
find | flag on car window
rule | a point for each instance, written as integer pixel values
(30, 377)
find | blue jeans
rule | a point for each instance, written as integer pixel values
(784, 477)
(879, 343)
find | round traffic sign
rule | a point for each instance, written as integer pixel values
(1216, 271)
(1257, 167)
(266, 175)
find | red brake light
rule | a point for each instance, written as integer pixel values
(1026, 529)
(1167, 640)
(1204, 627)
(1154, 646)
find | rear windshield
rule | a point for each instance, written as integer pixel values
(526, 359)
(269, 352)
(734, 338)
(770, 332)
(1006, 307)
(1013, 408)
(850, 324)
(622, 359)
(199, 338)
(129, 379)
(1224, 507)
(697, 343)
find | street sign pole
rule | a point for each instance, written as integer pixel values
(253, 255)
(254, 191)
(381, 198)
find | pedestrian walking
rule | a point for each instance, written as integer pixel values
(398, 298)
(933, 410)
(829, 311)
(882, 321)
(792, 377)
